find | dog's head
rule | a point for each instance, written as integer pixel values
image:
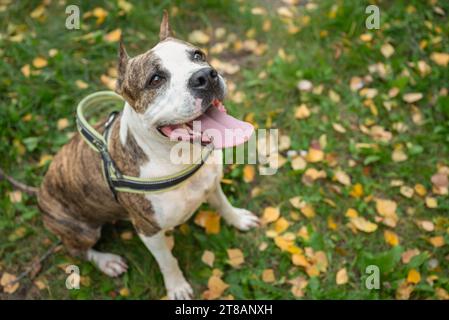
(170, 85)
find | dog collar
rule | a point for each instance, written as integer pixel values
(114, 178)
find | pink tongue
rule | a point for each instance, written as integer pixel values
(225, 130)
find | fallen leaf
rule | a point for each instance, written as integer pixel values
(412, 97)
(314, 155)
(39, 62)
(437, 241)
(404, 291)
(270, 214)
(100, 14)
(208, 258)
(442, 294)
(124, 292)
(209, 220)
(342, 177)
(387, 50)
(420, 189)
(406, 191)
(302, 112)
(113, 36)
(398, 155)
(387, 209)
(249, 173)
(268, 276)
(26, 70)
(127, 235)
(408, 255)
(81, 84)
(363, 225)
(338, 127)
(356, 191)
(304, 85)
(440, 58)
(431, 202)
(308, 211)
(15, 196)
(45, 158)
(281, 225)
(5, 280)
(236, 257)
(216, 288)
(299, 259)
(198, 36)
(62, 124)
(298, 163)
(391, 238)
(426, 225)
(413, 276)
(298, 285)
(341, 277)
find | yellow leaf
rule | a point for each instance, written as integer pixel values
(5, 281)
(408, 255)
(283, 243)
(208, 258)
(281, 225)
(268, 276)
(302, 112)
(298, 163)
(100, 14)
(216, 288)
(331, 224)
(236, 257)
(124, 292)
(387, 50)
(351, 213)
(420, 190)
(38, 12)
(437, 241)
(407, 191)
(198, 36)
(249, 173)
(342, 177)
(26, 70)
(412, 97)
(308, 211)
(341, 277)
(440, 58)
(209, 220)
(387, 209)
(15, 196)
(124, 5)
(364, 225)
(366, 37)
(81, 84)
(62, 124)
(357, 191)
(391, 238)
(127, 235)
(431, 202)
(113, 36)
(338, 127)
(270, 214)
(314, 155)
(398, 155)
(39, 62)
(404, 291)
(413, 276)
(44, 159)
(300, 260)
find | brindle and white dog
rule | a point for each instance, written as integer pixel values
(164, 88)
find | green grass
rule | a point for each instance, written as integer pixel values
(53, 95)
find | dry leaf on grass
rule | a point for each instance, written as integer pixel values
(268, 276)
(5, 281)
(341, 277)
(208, 258)
(209, 220)
(236, 257)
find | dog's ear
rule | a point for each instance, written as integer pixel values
(165, 29)
(122, 65)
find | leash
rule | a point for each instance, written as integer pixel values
(117, 181)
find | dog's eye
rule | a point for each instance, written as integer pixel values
(199, 56)
(156, 81)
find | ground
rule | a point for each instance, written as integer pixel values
(366, 110)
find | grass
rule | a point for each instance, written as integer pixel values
(328, 51)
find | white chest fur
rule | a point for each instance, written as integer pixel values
(176, 206)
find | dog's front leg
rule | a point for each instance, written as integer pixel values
(177, 286)
(242, 219)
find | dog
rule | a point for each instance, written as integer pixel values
(164, 89)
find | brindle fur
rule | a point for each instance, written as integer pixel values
(76, 199)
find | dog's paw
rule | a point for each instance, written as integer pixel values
(244, 220)
(111, 264)
(180, 291)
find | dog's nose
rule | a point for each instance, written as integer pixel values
(203, 79)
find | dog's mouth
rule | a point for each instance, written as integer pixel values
(213, 126)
